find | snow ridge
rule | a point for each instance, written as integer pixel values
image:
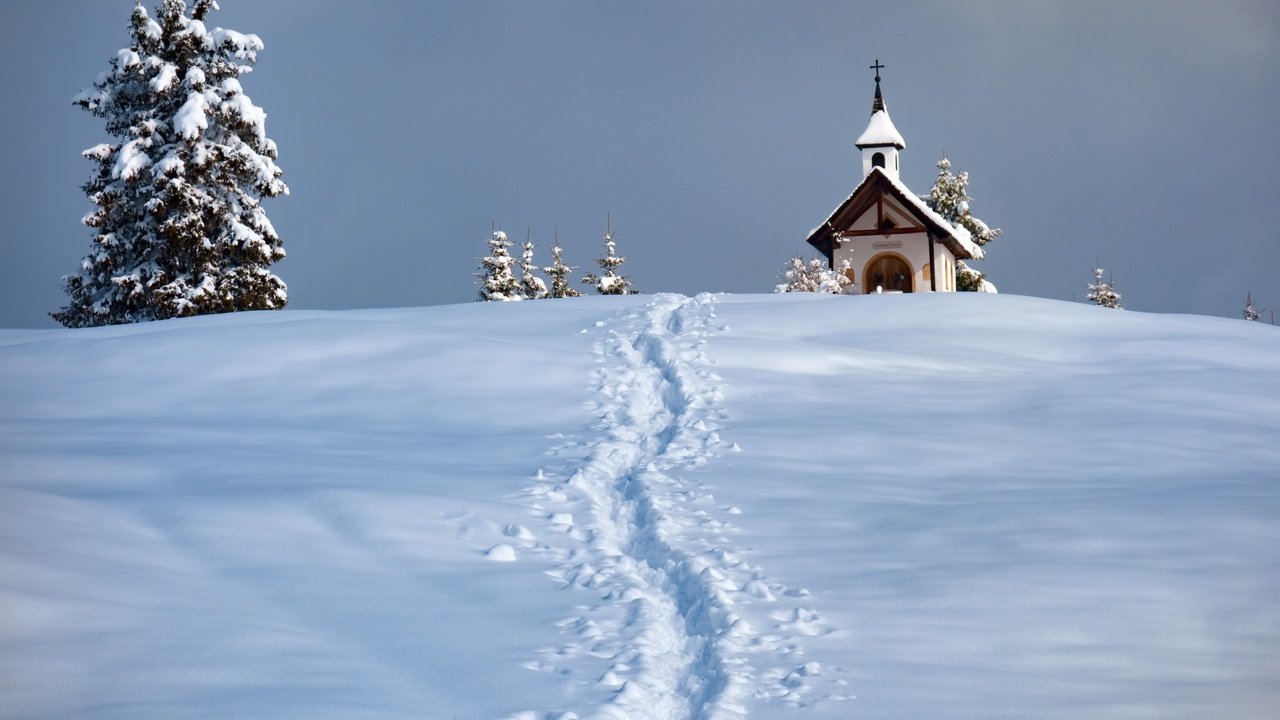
(666, 575)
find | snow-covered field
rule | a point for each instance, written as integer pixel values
(928, 506)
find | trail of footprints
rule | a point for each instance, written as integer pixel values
(659, 632)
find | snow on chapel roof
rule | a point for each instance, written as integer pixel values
(962, 236)
(880, 131)
(956, 238)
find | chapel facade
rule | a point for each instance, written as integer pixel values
(884, 236)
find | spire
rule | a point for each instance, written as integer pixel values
(877, 104)
(880, 131)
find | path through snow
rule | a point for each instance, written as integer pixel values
(653, 549)
(1009, 507)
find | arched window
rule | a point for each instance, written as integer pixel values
(890, 272)
(877, 160)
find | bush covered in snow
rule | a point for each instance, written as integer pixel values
(814, 276)
(970, 280)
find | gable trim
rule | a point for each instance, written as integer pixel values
(871, 192)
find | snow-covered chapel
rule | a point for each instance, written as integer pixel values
(890, 239)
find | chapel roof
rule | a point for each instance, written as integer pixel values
(957, 239)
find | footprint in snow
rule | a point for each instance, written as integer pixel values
(521, 533)
(501, 552)
(796, 678)
(804, 621)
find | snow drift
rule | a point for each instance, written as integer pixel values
(964, 506)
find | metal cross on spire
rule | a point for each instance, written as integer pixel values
(878, 103)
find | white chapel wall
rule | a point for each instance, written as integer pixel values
(913, 247)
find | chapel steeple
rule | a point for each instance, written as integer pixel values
(881, 141)
(878, 104)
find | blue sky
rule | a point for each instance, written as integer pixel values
(715, 134)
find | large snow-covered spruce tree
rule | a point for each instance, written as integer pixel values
(950, 198)
(179, 229)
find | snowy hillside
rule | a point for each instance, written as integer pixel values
(928, 506)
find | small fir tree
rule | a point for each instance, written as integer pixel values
(609, 282)
(532, 285)
(1250, 312)
(179, 229)
(814, 276)
(1102, 292)
(558, 271)
(497, 280)
(950, 198)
